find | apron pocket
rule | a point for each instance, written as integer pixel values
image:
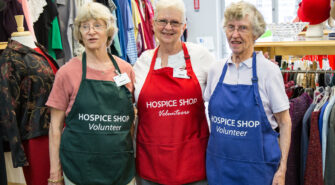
(95, 169)
(228, 171)
(184, 162)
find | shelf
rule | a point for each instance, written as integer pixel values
(322, 46)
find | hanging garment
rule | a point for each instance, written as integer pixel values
(128, 31)
(55, 47)
(37, 151)
(121, 30)
(42, 26)
(330, 153)
(306, 124)
(146, 28)
(320, 121)
(136, 17)
(251, 152)
(313, 171)
(67, 14)
(27, 16)
(326, 116)
(96, 145)
(167, 135)
(36, 8)
(24, 93)
(298, 107)
(7, 19)
(3, 175)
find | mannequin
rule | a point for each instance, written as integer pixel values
(316, 12)
(21, 36)
(31, 129)
(315, 30)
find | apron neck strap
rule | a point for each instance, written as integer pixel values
(84, 65)
(254, 73)
(254, 78)
(186, 56)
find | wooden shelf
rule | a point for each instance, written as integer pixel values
(298, 48)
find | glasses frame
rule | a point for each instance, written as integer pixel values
(164, 23)
(242, 29)
(94, 27)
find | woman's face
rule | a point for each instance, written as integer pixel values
(94, 34)
(239, 36)
(169, 26)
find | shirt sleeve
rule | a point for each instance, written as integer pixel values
(275, 89)
(59, 97)
(9, 94)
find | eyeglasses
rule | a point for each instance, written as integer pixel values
(164, 22)
(240, 29)
(96, 27)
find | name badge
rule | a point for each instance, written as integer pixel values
(121, 79)
(180, 73)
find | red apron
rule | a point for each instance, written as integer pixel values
(172, 130)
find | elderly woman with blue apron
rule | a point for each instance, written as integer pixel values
(247, 102)
(92, 94)
(172, 132)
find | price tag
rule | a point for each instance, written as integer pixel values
(121, 79)
(180, 73)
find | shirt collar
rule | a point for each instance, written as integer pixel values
(247, 63)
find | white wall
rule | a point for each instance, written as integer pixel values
(206, 23)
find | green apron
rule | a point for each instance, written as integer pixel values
(96, 145)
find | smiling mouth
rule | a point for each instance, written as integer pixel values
(168, 34)
(236, 42)
(92, 39)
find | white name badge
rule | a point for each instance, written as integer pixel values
(121, 79)
(180, 73)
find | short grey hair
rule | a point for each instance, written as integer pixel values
(93, 10)
(242, 9)
(176, 4)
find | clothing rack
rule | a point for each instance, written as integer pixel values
(308, 71)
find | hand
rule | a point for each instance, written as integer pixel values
(266, 55)
(279, 178)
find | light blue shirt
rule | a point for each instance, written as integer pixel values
(325, 131)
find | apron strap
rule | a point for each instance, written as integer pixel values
(223, 74)
(114, 63)
(84, 65)
(254, 78)
(83, 59)
(186, 56)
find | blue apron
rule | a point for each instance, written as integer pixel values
(243, 148)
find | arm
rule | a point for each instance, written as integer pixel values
(284, 122)
(55, 132)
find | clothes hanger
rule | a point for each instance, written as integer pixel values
(324, 99)
(318, 93)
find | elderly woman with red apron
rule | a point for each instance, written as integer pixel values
(172, 132)
(247, 101)
(92, 93)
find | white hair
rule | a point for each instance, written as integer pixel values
(176, 4)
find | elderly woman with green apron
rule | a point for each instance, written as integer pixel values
(92, 93)
(247, 102)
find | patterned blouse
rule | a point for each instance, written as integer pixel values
(26, 80)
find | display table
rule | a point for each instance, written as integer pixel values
(303, 46)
